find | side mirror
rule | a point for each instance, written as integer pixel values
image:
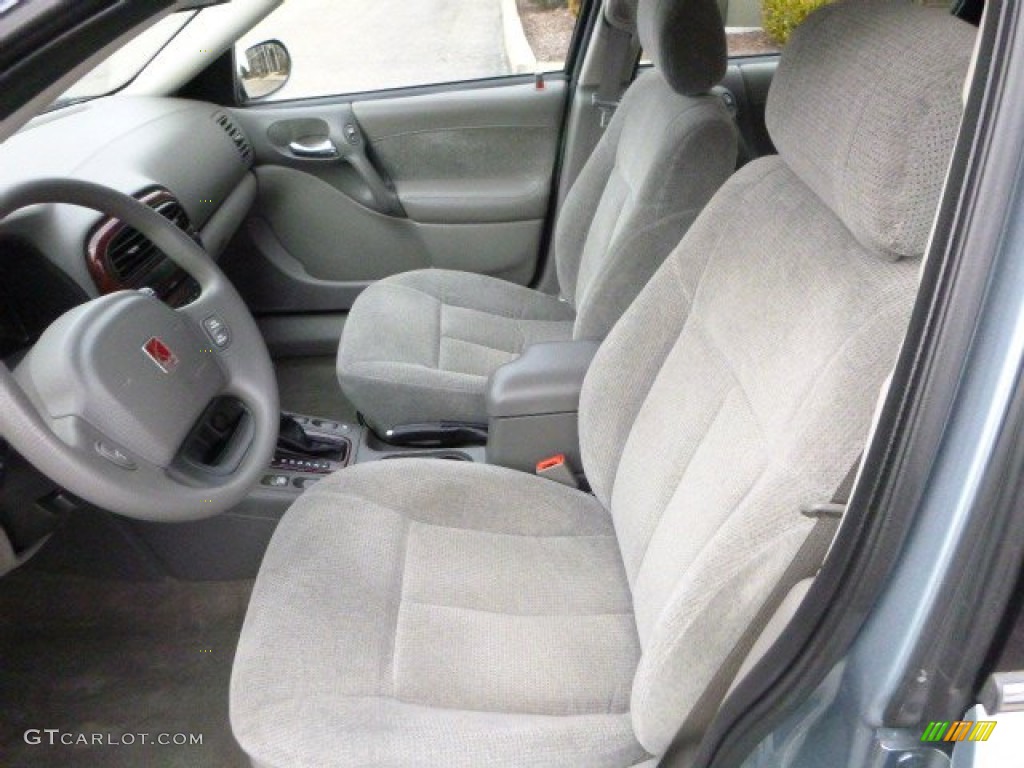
(266, 69)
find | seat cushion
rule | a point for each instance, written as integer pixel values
(419, 346)
(424, 612)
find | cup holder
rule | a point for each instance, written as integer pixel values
(444, 455)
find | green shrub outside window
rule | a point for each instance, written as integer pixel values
(781, 17)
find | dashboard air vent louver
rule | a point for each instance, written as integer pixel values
(120, 257)
(236, 135)
(130, 255)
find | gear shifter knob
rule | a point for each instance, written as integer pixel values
(293, 438)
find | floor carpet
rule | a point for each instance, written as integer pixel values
(89, 656)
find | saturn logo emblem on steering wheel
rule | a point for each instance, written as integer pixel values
(157, 351)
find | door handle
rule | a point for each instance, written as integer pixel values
(343, 143)
(315, 149)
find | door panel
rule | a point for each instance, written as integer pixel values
(483, 155)
(349, 193)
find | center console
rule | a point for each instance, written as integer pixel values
(309, 448)
(532, 405)
(531, 402)
(326, 445)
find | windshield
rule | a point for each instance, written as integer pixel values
(122, 66)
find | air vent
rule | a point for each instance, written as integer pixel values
(122, 257)
(236, 136)
(130, 255)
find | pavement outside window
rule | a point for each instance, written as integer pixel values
(351, 46)
(354, 46)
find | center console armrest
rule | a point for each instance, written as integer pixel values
(546, 378)
(532, 404)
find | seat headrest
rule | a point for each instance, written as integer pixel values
(621, 14)
(864, 109)
(686, 41)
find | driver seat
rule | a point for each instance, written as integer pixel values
(431, 613)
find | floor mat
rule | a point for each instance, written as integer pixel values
(106, 661)
(309, 385)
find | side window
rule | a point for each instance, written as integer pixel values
(354, 46)
(748, 25)
(758, 27)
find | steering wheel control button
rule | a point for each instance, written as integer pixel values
(115, 455)
(275, 481)
(218, 331)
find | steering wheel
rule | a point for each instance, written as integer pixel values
(141, 409)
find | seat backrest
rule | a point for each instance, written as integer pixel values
(666, 151)
(741, 383)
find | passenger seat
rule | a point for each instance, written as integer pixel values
(420, 346)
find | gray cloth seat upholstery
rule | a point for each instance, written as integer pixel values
(425, 611)
(668, 149)
(419, 612)
(427, 340)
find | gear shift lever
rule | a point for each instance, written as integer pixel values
(294, 439)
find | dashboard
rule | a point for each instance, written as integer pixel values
(188, 160)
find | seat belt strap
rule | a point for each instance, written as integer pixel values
(845, 488)
(618, 54)
(805, 564)
(835, 508)
(812, 553)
